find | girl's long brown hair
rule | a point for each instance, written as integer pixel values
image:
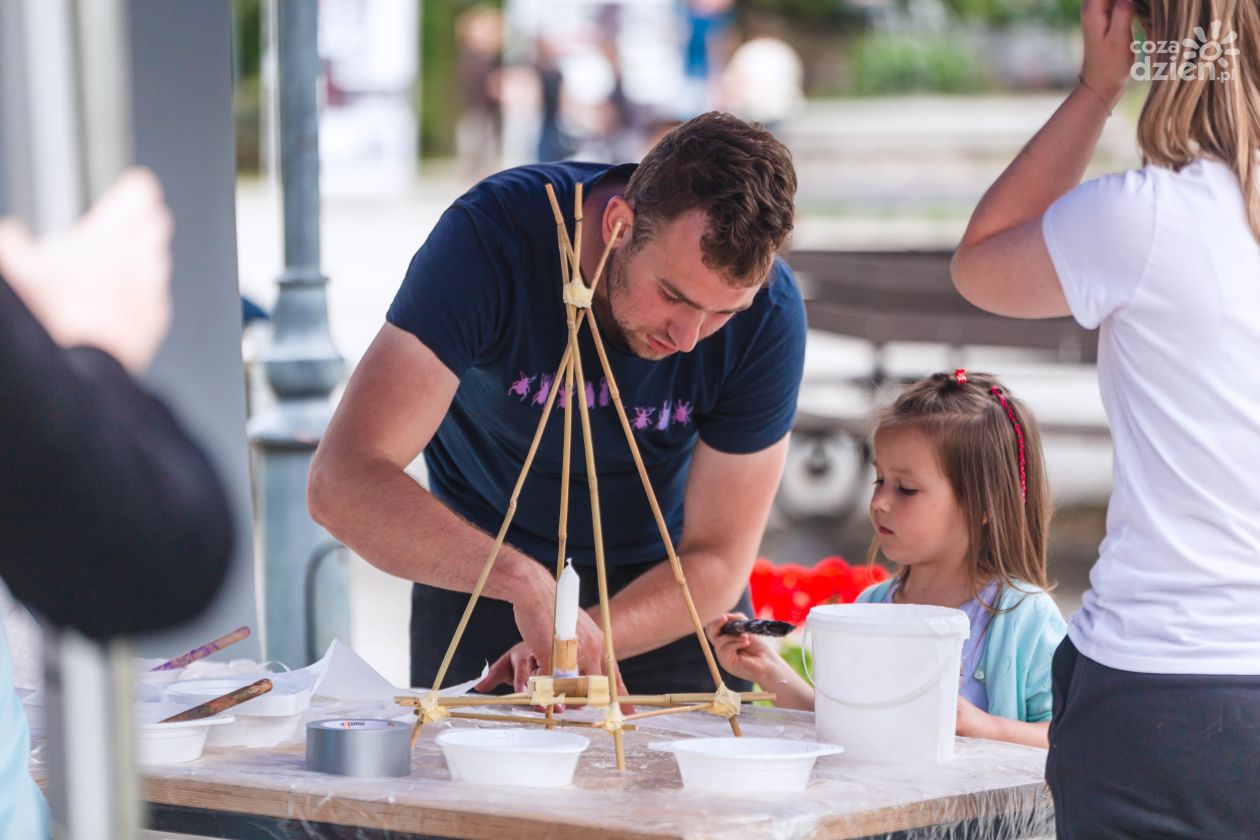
(977, 449)
(1216, 113)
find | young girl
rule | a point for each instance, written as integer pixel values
(961, 506)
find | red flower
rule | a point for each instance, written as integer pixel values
(788, 592)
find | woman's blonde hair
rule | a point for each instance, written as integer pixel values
(1213, 107)
(988, 447)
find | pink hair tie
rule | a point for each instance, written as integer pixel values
(1019, 436)
(960, 376)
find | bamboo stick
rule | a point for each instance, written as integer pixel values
(673, 710)
(681, 699)
(674, 562)
(577, 232)
(592, 480)
(534, 720)
(566, 388)
(565, 361)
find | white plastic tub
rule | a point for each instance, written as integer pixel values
(886, 679)
(537, 759)
(171, 743)
(270, 719)
(740, 766)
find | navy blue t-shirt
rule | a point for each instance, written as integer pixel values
(484, 294)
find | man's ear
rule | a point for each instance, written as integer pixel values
(617, 210)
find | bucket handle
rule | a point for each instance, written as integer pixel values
(807, 653)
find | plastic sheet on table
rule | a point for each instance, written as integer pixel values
(990, 791)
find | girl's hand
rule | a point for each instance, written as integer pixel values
(746, 656)
(973, 723)
(1107, 26)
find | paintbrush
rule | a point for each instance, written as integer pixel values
(757, 626)
(205, 650)
(221, 704)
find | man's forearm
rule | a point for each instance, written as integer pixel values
(1052, 163)
(387, 518)
(650, 612)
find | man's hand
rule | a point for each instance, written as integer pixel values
(535, 620)
(105, 282)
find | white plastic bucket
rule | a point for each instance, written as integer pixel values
(886, 679)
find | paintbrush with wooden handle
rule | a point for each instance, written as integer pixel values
(221, 704)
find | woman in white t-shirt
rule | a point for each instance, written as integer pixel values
(1156, 728)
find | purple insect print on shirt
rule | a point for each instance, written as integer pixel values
(544, 390)
(662, 419)
(520, 388)
(603, 393)
(590, 394)
(642, 417)
(682, 413)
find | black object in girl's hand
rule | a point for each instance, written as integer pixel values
(756, 626)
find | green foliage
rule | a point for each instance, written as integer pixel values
(889, 64)
(1057, 13)
(825, 13)
(794, 655)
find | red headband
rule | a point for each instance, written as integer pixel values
(1019, 436)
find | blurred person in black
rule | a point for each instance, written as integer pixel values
(112, 521)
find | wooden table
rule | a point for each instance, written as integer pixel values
(989, 790)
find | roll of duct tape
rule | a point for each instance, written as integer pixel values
(358, 747)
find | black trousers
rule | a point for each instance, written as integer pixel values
(435, 613)
(1153, 755)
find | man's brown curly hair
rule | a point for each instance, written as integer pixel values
(738, 174)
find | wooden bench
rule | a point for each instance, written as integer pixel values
(883, 297)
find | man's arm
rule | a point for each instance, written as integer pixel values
(358, 488)
(726, 506)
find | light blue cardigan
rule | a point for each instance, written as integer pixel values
(1018, 649)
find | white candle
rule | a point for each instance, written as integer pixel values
(567, 602)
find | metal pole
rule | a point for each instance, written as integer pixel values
(302, 368)
(67, 78)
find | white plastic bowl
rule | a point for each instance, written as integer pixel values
(171, 743)
(740, 766)
(150, 683)
(270, 719)
(537, 759)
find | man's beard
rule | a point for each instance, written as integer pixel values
(614, 281)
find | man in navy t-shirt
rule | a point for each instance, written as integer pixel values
(705, 332)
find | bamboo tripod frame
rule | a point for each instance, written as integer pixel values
(597, 691)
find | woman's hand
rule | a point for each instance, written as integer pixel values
(1107, 27)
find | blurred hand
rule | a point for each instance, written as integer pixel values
(105, 282)
(1107, 27)
(744, 655)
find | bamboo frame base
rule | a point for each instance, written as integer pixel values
(546, 692)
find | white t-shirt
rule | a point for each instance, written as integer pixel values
(1166, 264)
